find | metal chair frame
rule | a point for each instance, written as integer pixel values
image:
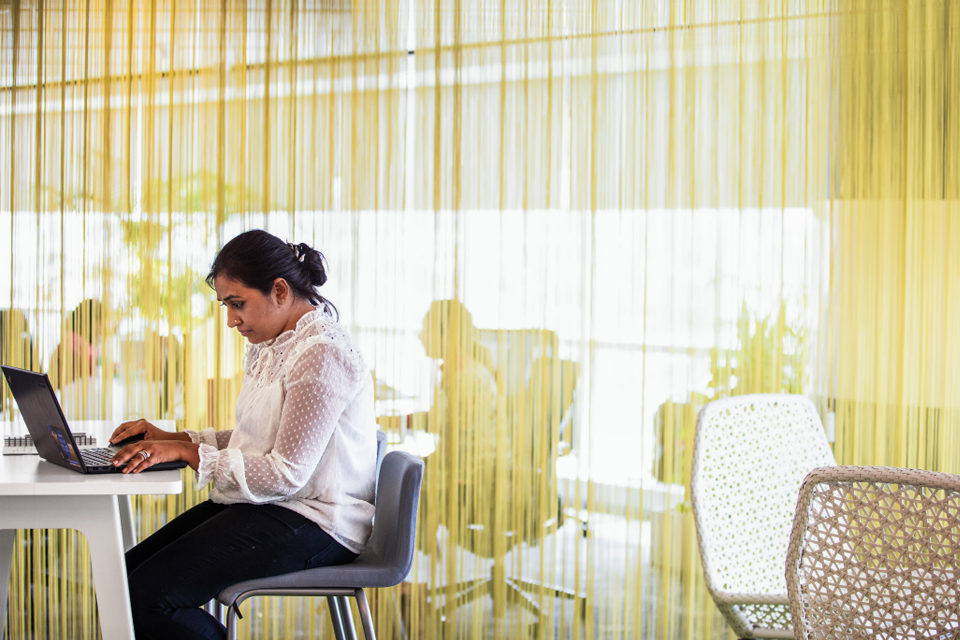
(385, 562)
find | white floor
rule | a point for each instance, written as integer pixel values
(627, 599)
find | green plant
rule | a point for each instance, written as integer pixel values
(200, 191)
(770, 357)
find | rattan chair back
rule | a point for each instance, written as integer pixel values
(875, 553)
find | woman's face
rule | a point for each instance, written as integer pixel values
(256, 316)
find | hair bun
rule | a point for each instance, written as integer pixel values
(313, 263)
(257, 258)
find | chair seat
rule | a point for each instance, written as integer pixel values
(362, 573)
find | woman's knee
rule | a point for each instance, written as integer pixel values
(146, 595)
(154, 591)
(164, 609)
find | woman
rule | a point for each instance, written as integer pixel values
(293, 483)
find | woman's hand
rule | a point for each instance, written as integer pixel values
(147, 430)
(138, 456)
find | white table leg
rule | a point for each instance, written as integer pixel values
(98, 518)
(126, 522)
(7, 537)
(105, 539)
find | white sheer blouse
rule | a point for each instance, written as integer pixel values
(306, 432)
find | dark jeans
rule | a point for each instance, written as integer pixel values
(209, 547)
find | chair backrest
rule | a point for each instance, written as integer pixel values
(551, 393)
(381, 448)
(750, 455)
(535, 391)
(395, 518)
(512, 354)
(874, 553)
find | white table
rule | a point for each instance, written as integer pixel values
(36, 494)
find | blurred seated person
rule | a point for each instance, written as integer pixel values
(159, 359)
(16, 344)
(80, 352)
(466, 389)
(463, 416)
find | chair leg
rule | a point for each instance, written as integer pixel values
(218, 610)
(335, 617)
(474, 589)
(557, 591)
(365, 618)
(350, 631)
(467, 585)
(231, 623)
(525, 600)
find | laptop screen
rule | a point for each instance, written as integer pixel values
(45, 421)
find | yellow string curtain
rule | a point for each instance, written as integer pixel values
(896, 219)
(138, 138)
(556, 230)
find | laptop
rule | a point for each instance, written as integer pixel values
(49, 430)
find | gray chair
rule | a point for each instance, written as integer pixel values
(385, 562)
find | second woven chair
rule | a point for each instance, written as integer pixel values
(875, 553)
(750, 455)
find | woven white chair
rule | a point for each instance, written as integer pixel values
(875, 554)
(750, 455)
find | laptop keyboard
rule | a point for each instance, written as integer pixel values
(99, 457)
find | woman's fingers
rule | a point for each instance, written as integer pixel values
(124, 431)
(130, 429)
(123, 457)
(142, 455)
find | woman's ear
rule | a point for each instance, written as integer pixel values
(281, 290)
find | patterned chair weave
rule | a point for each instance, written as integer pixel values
(875, 553)
(767, 616)
(750, 455)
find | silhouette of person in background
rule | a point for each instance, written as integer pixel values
(79, 354)
(16, 344)
(449, 335)
(490, 485)
(467, 388)
(17, 348)
(463, 417)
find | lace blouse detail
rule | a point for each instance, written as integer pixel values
(265, 362)
(306, 433)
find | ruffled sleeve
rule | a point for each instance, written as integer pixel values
(211, 437)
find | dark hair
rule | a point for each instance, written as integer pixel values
(257, 258)
(86, 317)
